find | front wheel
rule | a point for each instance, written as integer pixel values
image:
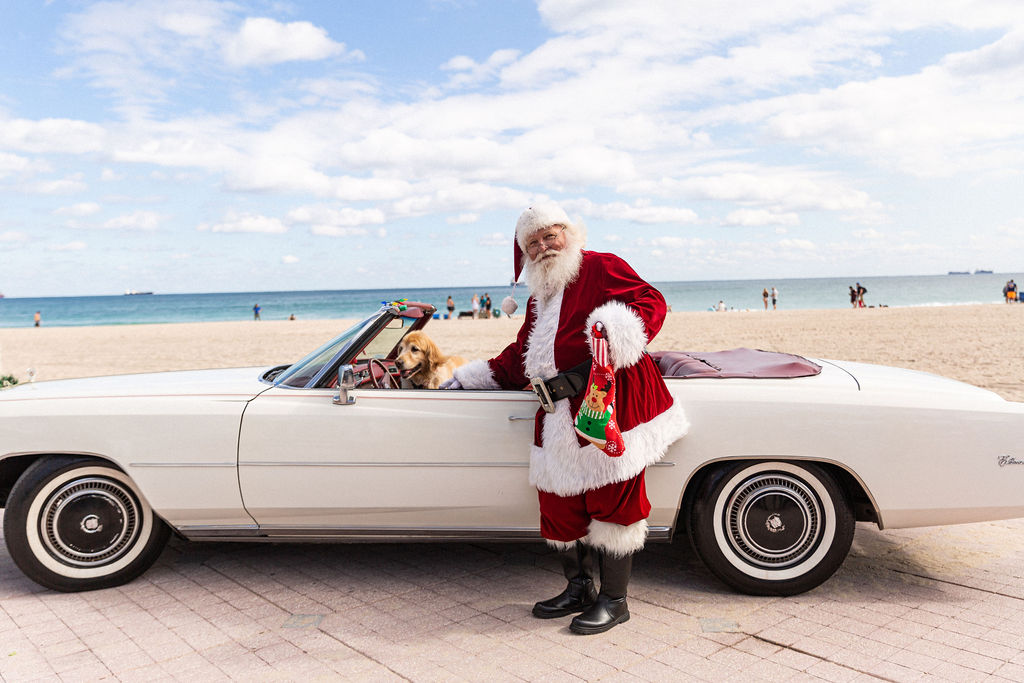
(771, 528)
(74, 524)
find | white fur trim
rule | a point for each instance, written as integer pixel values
(627, 340)
(539, 216)
(615, 539)
(539, 359)
(565, 468)
(476, 374)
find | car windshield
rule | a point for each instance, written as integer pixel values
(386, 340)
(299, 374)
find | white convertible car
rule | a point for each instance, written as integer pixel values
(783, 455)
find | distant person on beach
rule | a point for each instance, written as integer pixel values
(476, 306)
(853, 297)
(291, 317)
(721, 306)
(861, 291)
(451, 307)
(487, 305)
(1010, 291)
(775, 298)
(256, 312)
(38, 318)
(764, 295)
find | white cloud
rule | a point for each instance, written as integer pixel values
(468, 72)
(12, 164)
(782, 193)
(288, 259)
(68, 246)
(70, 185)
(261, 41)
(1014, 228)
(328, 220)
(797, 244)
(463, 219)
(80, 210)
(138, 220)
(63, 136)
(495, 239)
(867, 234)
(336, 231)
(11, 236)
(143, 49)
(639, 212)
(760, 217)
(672, 242)
(247, 223)
(446, 195)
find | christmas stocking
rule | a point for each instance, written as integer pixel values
(595, 420)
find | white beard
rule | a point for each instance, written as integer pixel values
(554, 272)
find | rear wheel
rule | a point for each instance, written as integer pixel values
(75, 524)
(771, 528)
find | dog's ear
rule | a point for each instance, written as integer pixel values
(432, 351)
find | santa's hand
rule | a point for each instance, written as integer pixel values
(453, 383)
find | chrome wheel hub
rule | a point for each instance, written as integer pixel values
(90, 522)
(773, 520)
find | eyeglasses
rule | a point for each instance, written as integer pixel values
(548, 239)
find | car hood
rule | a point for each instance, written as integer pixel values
(237, 383)
(890, 380)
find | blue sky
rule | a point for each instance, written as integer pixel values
(201, 145)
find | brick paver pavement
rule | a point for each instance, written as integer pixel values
(941, 603)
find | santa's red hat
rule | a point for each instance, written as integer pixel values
(537, 217)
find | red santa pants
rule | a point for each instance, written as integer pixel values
(567, 518)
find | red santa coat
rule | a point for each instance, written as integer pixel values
(554, 338)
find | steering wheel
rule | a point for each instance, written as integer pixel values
(385, 380)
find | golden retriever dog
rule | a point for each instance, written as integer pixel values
(422, 364)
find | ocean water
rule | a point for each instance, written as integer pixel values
(808, 293)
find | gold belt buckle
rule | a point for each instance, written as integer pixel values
(540, 388)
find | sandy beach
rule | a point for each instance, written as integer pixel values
(979, 344)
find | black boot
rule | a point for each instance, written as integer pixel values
(578, 564)
(610, 608)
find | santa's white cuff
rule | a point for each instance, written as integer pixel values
(615, 539)
(626, 337)
(476, 374)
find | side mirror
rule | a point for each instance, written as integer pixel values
(346, 382)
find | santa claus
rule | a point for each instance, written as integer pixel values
(593, 505)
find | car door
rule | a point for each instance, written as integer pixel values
(403, 463)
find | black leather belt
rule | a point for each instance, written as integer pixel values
(563, 385)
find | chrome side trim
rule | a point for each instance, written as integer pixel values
(272, 532)
(181, 464)
(367, 463)
(191, 531)
(288, 463)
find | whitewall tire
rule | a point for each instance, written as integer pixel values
(75, 524)
(771, 528)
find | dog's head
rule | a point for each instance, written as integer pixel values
(417, 353)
